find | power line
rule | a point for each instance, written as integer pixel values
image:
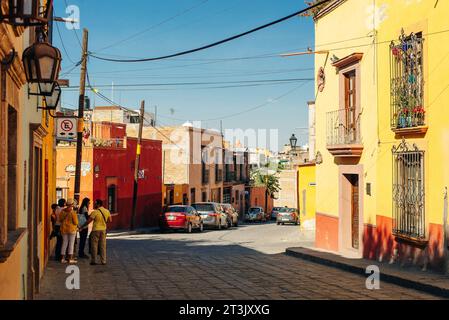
(196, 88)
(198, 83)
(258, 106)
(215, 43)
(129, 110)
(63, 45)
(211, 75)
(76, 34)
(153, 26)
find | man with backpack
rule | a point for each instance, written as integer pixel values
(100, 217)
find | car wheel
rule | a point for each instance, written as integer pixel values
(278, 223)
(283, 223)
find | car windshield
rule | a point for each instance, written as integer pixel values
(276, 208)
(284, 210)
(177, 209)
(204, 206)
(254, 210)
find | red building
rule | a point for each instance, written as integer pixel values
(108, 174)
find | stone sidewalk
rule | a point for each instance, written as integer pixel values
(209, 266)
(425, 281)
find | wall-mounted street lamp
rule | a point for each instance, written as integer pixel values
(52, 102)
(26, 13)
(42, 63)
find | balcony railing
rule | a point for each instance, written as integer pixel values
(205, 176)
(343, 132)
(407, 84)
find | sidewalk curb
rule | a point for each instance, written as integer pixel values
(385, 276)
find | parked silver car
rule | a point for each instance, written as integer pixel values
(212, 214)
(288, 215)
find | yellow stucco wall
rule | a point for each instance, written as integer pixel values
(368, 27)
(307, 192)
(49, 155)
(343, 36)
(418, 16)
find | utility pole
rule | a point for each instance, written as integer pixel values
(136, 165)
(155, 117)
(79, 138)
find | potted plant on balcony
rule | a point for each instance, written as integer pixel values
(404, 118)
(419, 113)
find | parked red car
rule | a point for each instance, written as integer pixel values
(181, 217)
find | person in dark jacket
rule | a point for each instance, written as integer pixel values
(83, 216)
(59, 208)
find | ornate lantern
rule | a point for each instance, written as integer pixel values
(52, 101)
(293, 141)
(27, 13)
(42, 63)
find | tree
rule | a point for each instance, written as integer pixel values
(264, 177)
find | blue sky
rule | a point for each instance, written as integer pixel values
(176, 25)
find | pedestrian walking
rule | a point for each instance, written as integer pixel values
(100, 217)
(60, 207)
(83, 216)
(69, 226)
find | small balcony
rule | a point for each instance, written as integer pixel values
(343, 133)
(205, 176)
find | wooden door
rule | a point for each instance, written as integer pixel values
(355, 211)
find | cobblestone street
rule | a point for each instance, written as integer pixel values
(241, 263)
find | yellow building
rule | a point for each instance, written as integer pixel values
(307, 194)
(27, 171)
(48, 187)
(381, 129)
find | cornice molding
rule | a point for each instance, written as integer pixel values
(38, 129)
(348, 60)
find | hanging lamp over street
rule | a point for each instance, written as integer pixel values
(52, 102)
(42, 63)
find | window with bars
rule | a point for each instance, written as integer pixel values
(407, 82)
(408, 192)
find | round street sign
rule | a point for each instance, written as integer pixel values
(66, 125)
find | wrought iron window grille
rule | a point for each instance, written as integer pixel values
(408, 192)
(407, 81)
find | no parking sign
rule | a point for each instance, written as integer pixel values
(66, 128)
